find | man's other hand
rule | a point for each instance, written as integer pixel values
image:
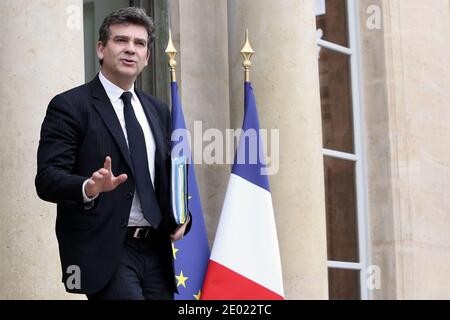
(179, 232)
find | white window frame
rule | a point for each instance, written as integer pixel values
(358, 157)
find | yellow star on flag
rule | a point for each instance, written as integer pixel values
(181, 279)
(197, 296)
(174, 251)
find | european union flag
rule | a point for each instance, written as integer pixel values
(191, 253)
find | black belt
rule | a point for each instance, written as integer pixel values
(141, 232)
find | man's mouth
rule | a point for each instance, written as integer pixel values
(128, 61)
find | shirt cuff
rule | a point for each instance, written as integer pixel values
(86, 199)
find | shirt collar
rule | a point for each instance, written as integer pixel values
(113, 91)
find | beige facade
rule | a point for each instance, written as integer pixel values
(42, 55)
(406, 128)
(407, 85)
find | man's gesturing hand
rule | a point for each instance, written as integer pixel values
(103, 180)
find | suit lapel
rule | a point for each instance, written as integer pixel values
(105, 109)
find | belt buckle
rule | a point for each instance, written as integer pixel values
(137, 235)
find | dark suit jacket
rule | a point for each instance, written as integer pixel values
(79, 130)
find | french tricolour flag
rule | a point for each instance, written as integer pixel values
(245, 259)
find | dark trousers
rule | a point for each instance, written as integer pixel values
(140, 275)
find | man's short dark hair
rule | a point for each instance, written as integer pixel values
(131, 15)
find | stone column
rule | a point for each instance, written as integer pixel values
(285, 79)
(41, 55)
(406, 85)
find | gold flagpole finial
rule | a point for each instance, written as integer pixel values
(247, 53)
(171, 52)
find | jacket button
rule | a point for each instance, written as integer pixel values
(129, 195)
(124, 224)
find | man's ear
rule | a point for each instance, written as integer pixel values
(100, 49)
(148, 56)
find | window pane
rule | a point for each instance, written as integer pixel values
(334, 22)
(340, 192)
(336, 101)
(343, 284)
(155, 78)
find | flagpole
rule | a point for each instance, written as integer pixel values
(247, 53)
(190, 254)
(233, 273)
(172, 52)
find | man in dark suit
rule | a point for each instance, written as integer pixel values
(104, 158)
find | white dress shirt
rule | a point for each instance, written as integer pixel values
(114, 92)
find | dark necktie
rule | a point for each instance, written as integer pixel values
(138, 152)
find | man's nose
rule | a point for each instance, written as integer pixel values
(131, 48)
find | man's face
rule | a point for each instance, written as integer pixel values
(125, 54)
